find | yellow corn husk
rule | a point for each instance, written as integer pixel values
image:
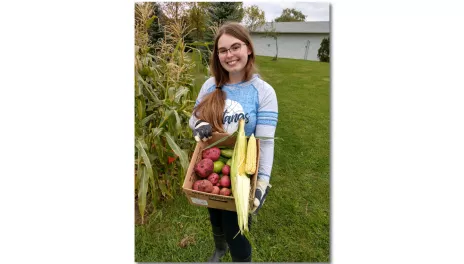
(250, 166)
(240, 181)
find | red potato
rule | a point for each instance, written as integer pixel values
(218, 184)
(204, 168)
(205, 186)
(215, 190)
(225, 181)
(213, 178)
(226, 170)
(211, 153)
(196, 184)
(225, 191)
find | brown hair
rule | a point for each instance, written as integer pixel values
(212, 106)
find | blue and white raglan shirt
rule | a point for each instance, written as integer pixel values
(255, 101)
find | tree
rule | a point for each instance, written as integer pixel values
(156, 29)
(290, 15)
(324, 51)
(175, 11)
(271, 32)
(199, 22)
(221, 12)
(198, 19)
(254, 17)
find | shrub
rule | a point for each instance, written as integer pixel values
(324, 51)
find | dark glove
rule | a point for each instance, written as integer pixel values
(262, 189)
(202, 131)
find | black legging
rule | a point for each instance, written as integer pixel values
(239, 247)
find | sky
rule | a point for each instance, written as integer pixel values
(315, 11)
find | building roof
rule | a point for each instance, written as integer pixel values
(297, 27)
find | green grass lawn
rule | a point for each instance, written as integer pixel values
(294, 223)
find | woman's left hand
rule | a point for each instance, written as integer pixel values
(262, 189)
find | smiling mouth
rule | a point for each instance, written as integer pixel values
(231, 63)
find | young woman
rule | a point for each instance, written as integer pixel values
(235, 92)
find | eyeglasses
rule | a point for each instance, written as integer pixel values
(234, 49)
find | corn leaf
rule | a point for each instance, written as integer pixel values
(178, 126)
(141, 146)
(186, 113)
(148, 118)
(143, 188)
(139, 172)
(172, 125)
(157, 131)
(138, 91)
(171, 93)
(177, 150)
(146, 175)
(167, 114)
(181, 92)
(147, 86)
(140, 104)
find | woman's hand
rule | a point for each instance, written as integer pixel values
(262, 189)
(202, 131)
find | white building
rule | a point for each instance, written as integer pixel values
(296, 40)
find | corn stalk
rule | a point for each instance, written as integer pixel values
(163, 105)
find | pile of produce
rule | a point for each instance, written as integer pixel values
(214, 170)
(227, 172)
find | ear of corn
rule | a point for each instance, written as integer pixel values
(240, 181)
(250, 166)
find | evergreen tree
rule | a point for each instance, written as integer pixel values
(221, 12)
(156, 29)
(324, 51)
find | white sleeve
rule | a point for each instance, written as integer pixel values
(265, 127)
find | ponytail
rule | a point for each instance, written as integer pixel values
(211, 109)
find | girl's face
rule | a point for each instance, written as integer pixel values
(233, 54)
